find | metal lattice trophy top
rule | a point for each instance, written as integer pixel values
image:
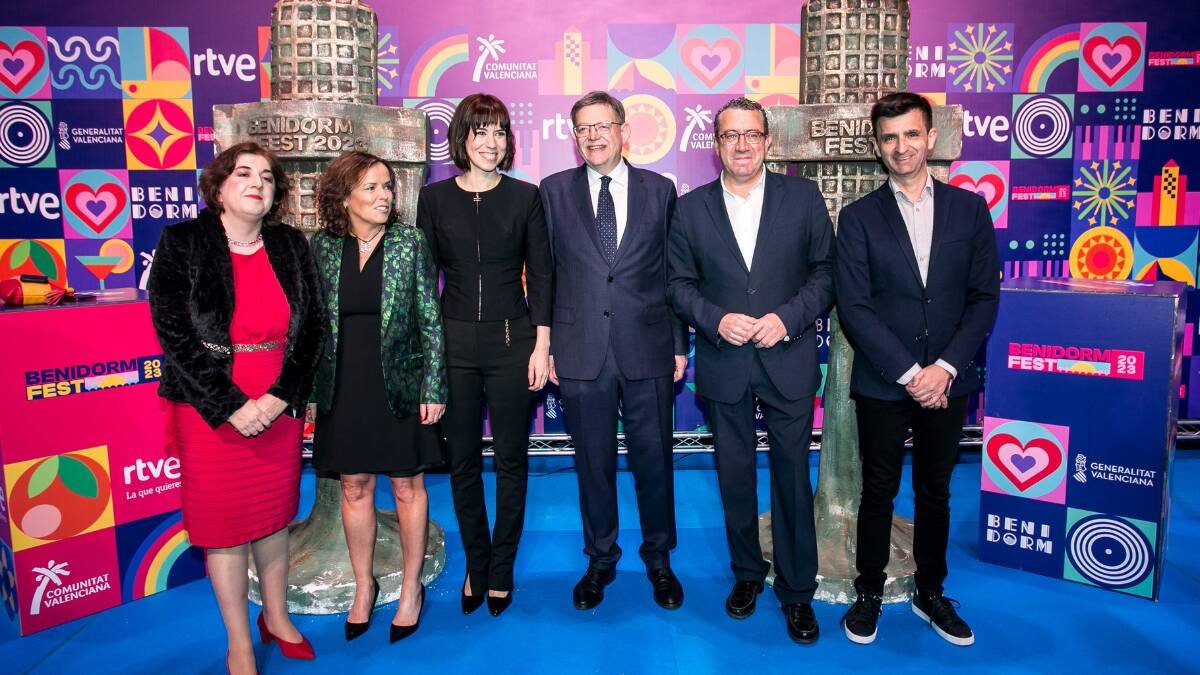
(323, 51)
(854, 49)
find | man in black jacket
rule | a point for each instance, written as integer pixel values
(918, 285)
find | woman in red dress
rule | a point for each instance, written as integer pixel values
(238, 312)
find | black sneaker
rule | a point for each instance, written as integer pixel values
(861, 621)
(939, 612)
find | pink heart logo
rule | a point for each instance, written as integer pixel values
(1024, 464)
(1111, 60)
(711, 63)
(96, 207)
(19, 64)
(989, 186)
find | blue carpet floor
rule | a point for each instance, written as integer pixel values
(1023, 623)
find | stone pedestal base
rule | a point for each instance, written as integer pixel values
(320, 580)
(836, 571)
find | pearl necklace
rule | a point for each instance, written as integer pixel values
(244, 244)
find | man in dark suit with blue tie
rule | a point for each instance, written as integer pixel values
(750, 257)
(918, 284)
(615, 344)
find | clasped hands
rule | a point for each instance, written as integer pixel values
(256, 415)
(929, 387)
(738, 329)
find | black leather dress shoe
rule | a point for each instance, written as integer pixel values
(470, 603)
(589, 592)
(801, 623)
(742, 599)
(497, 604)
(354, 629)
(668, 592)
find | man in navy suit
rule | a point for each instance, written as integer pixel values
(750, 258)
(615, 343)
(918, 283)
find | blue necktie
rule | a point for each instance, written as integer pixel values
(606, 221)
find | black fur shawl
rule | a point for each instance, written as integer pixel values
(191, 303)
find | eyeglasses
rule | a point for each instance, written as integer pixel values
(753, 137)
(583, 130)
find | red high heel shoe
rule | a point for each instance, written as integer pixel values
(292, 650)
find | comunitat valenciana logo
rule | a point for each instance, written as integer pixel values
(81, 378)
(698, 132)
(55, 587)
(488, 65)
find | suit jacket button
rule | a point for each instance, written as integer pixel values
(606, 314)
(751, 291)
(610, 280)
(928, 300)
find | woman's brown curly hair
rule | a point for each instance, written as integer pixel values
(337, 182)
(222, 166)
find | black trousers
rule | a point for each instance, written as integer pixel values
(789, 434)
(882, 429)
(591, 414)
(481, 365)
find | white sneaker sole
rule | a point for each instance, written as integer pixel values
(961, 642)
(859, 639)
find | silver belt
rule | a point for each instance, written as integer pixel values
(256, 347)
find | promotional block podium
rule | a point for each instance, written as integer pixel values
(1079, 430)
(89, 511)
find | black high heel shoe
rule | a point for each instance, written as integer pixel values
(470, 603)
(398, 633)
(497, 604)
(354, 629)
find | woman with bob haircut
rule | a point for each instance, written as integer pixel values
(485, 229)
(235, 302)
(381, 382)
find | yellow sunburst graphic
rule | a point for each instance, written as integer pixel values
(1085, 368)
(651, 128)
(1102, 253)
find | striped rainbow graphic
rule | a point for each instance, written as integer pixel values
(151, 566)
(433, 58)
(1045, 56)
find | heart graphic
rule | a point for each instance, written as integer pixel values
(711, 63)
(96, 207)
(1111, 60)
(1024, 464)
(19, 64)
(989, 186)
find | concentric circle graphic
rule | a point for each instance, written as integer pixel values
(24, 134)
(1109, 552)
(1101, 253)
(439, 114)
(1042, 126)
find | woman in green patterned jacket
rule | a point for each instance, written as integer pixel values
(381, 381)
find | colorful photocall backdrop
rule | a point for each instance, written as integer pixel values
(89, 502)
(1081, 124)
(1079, 433)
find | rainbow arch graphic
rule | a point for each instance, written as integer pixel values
(1045, 56)
(151, 566)
(432, 59)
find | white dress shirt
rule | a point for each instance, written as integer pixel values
(745, 213)
(619, 188)
(918, 220)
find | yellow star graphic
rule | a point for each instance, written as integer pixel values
(968, 86)
(1092, 220)
(1131, 182)
(1095, 165)
(1006, 70)
(1077, 204)
(991, 86)
(1113, 220)
(1078, 182)
(1117, 164)
(1007, 45)
(992, 28)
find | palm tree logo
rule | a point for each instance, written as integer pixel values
(489, 47)
(44, 575)
(696, 117)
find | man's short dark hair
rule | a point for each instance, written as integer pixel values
(899, 103)
(599, 98)
(742, 103)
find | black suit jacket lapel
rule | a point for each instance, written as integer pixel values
(581, 194)
(218, 253)
(895, 223)
(715, 200)
(941, 222)
(635, 199)
(772, 200)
